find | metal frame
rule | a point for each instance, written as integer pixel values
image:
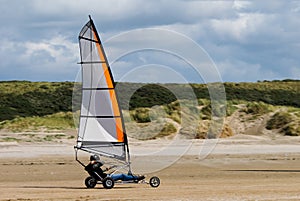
(91, 25)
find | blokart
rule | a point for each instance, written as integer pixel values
(108, 182)
(101, 125)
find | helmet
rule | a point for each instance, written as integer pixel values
(94, 158)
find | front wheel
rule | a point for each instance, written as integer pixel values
(154, 182)
(90, 182)
(108, 183)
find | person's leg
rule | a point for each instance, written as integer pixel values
(123, 177)
(117, 177)
(127, 177)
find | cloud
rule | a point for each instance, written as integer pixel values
(163, 47)
(295, 72)
(238, 29)
(39, 40)
(240, 71)
(52, 59)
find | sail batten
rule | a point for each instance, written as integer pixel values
(98, 88)
(101, 128)
(100, 116)
(91, 62)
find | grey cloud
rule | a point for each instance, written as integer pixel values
(239, 35)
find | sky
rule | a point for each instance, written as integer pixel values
(243, 41)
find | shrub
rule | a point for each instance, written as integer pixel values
(168, 129)
(257, 108)
(291, 130)
(141, 115)
(279, 120)
(207, 112)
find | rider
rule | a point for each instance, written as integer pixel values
(95, 170)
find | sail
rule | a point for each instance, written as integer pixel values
(101, 127)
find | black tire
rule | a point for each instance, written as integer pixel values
(108, 182)
(90, 182)
(154, 182)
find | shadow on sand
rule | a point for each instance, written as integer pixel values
(70, 187)
(263, 171)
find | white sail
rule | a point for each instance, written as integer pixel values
(101, 128)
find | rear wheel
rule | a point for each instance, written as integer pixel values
(108, 183)
(154, 182)
(90, 182)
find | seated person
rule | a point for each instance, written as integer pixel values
(95, 170)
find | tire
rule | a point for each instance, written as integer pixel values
(90, 182)
(154, 182)
(108, 182)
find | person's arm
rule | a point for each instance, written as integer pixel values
(108, 168)
(88, 167)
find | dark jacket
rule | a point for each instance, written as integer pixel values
(91, 168)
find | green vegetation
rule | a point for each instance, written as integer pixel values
(145, 96)
(58, 121)
(292, 129)
(173, 111)
(230, 108)
(27, 99)
(279, 120)
(283, 93)
(257, 108)
(53, 137)
(288, 123)
(167, 130)
(140, 115)
(35, 137)
(10, 139)
(32, 106)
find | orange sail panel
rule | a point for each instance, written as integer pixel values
(101, 128)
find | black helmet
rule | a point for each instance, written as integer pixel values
(94, 158)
